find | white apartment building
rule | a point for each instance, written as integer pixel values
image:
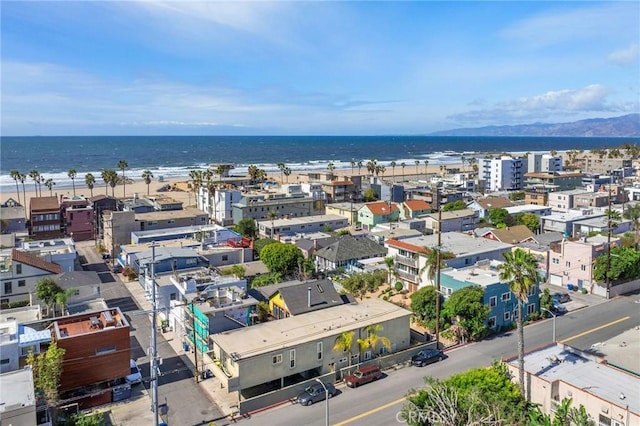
(218, 205)
(502, 173)
(544, 163)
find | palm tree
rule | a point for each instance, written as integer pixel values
(403, 165)
(393, 170)
(35, 175)
(281, 167)
(417, 171)
(254, 172)
(105, 178)
(147, 176)
(426, 168)
(21, 178)
(49, 184)
(380, 170)
(123, 165)
(390, 261)
(72, 175)
(633, 214)
(110, 178)
(272, 216)
(373, 338)
(287, 173)
(371, 166)
(344, 343)
(15, 174)
(360, 164)
(431, 264)
(463, 160)
(519, 268)
(353, 165)
(62, 298)
(90, 181)
(331, 167)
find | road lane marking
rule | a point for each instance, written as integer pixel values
(370, 412)
(584, 333)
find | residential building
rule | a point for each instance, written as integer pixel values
(117, 228)
(19, 273)
(601, 164)
(412, 209)
(633, 192)
(571, 262)
(610, 396)
(85, 285)
(484, 205)
(372, 214)
(502, 302)
(12, 349)
(511, 235)
(78, 217)
(410, 254)
(452, 221)
(219, 203)
(591, 199)
(601, 225)
(208, 234)
(502, 173)
(13, 217)
(346, 251)
(101, 203)
(61, 251)
(563, 222)
(563, 200)
(286, 227)
(44, 214)
(340, 189)
(17, 398)
(345, 209)
(171, 219)
(258, 207)
(539, 162)
(538, 198)
(552, 181)
(281, 353)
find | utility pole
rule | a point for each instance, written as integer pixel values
(154, 342)
(195, 344)
(438, 269)
(608, 279)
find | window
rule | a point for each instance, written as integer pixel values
(276, 359)
(21, 283)
(555, 261)
(507, 316)
(367, 355)
(5, 361)
(493, 301)
(506, 297)
(8, 288)
(106, 350)
(531, 308)
(292, 358)
(18, 268)
(583, 267)
(492, 322)
(225, 257)
(567, 264)
(319, 350)
(172, 296)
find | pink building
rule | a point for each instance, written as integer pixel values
(571, 262)
(78, 217)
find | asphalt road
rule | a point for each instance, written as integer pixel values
(379, 403)
(187, 404)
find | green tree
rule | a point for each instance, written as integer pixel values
(35, 175)
(88, 419)
(72, 175)
(47, 368)
(62, 297)
(545, 301)
(49, 183)
(498, 216)
(454, 205)
(266, 279)
(423, 305)
(431, 264)
(90, 181)
(331, 167)
(247, 228)
(467, 305)
(530, 220)
(623, 263)
(281, 258)
(517, 196)
(344, 343)
(393, 170)
(519, 268)
(633, 214)
(373, 337)
(146, 177)
(369, 195)
(123, 165)
(262, 243)
(47, 291)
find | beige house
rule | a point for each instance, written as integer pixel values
(286, 351)
(610, 396)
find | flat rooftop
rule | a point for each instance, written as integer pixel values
(483, 275)
(311, 326)
(16, 390)
(586, 372)
(458, 243)
(94, 322)
(305, 220)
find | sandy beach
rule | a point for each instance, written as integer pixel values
(138, 186)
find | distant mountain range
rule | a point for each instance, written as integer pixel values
(623, 126)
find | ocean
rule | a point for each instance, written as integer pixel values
(176, 156)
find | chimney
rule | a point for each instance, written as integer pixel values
(308, 297)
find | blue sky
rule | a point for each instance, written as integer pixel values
(316, 68)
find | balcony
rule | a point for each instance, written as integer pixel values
(408, 277)
(406, 261)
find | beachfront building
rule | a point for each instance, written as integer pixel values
(13, 217)
(287, 227)
(372, 214)
(410, 254)
(345, 252)
(545, 163)
(207, 234)
(45, 220)
(502, 173)
(276, 354)
(452, 221)
(553, 373)
(571, 262)
(502, 302)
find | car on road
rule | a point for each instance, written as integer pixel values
(558, 308)
(561, 297)
(135, 376)
(363, 375)
(315, 393)
(426, 357)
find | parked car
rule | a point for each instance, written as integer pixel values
(558, 308)
(426, 357)
(561, 297)
(363, 375)
(135, 376)
(315, 393)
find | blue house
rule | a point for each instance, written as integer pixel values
(497, 294)
(168, 259)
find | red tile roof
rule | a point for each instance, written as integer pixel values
(403, 245)
(381, 207)
(35, 261)
(417, 205)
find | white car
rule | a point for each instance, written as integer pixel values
(135, 376)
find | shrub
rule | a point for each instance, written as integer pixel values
(583, 290)
(18, 304)
(535, 316)
(399, 286)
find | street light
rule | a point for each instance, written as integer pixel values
(554, 321)
(326, 401)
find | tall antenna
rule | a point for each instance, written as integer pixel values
(438, 269)
(154, 342)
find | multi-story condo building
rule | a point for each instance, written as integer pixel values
(45, 218)
(301, 225)
(502, 173)
(78, 217)
(543, 163)
(258, 207)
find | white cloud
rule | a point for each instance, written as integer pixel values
(626, 56)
